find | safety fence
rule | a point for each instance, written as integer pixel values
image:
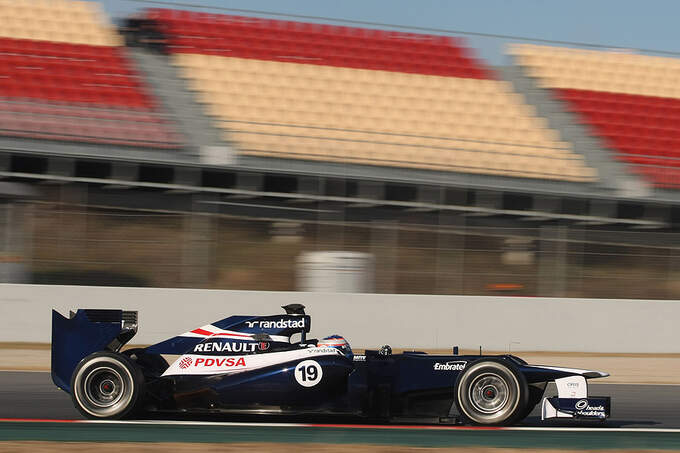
(57, 244)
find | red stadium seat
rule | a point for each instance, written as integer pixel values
(84, 124)
(331, 45)
(76, 92)
(100, 77)
(645, 130)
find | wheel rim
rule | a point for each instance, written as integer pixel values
(103, 388)
(489, 393)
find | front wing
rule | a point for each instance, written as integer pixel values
(572, 401)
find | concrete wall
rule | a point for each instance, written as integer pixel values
(369, 320)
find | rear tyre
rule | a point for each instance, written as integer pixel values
(107, 385)
(491, 392)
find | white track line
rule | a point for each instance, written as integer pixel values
(191, 423)
(577, 428)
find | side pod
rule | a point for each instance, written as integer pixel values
(84, 332)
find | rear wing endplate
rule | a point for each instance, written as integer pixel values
(84, 332)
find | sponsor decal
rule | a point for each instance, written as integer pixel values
(215, 346)
(584, 409)
(581, 404)
(449, 366)
(263, 345)
(359, 358)
(322, 351)
(220, 362)
(592, 413)
(185, 362)
(278, 324)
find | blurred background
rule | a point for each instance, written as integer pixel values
(312, 147)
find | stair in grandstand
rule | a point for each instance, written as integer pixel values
(612, 173)
(630, 101)
(173, 95)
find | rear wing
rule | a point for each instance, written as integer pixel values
(84, 332)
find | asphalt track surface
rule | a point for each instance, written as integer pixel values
(31, 395)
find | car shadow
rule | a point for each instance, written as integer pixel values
(571, 423)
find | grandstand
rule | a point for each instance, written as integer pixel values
(328, 93)
(66, 77)
(334, 138)
(630, 101)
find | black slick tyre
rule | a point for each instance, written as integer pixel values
(107, 385)
(491, 392)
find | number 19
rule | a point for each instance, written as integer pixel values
(309, 373)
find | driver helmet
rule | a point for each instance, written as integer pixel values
(337, 342)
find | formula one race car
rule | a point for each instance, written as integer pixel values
(248, 364)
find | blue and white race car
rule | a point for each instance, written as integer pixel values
(248, 364)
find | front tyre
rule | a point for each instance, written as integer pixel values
(107, 385)
(491, 392)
